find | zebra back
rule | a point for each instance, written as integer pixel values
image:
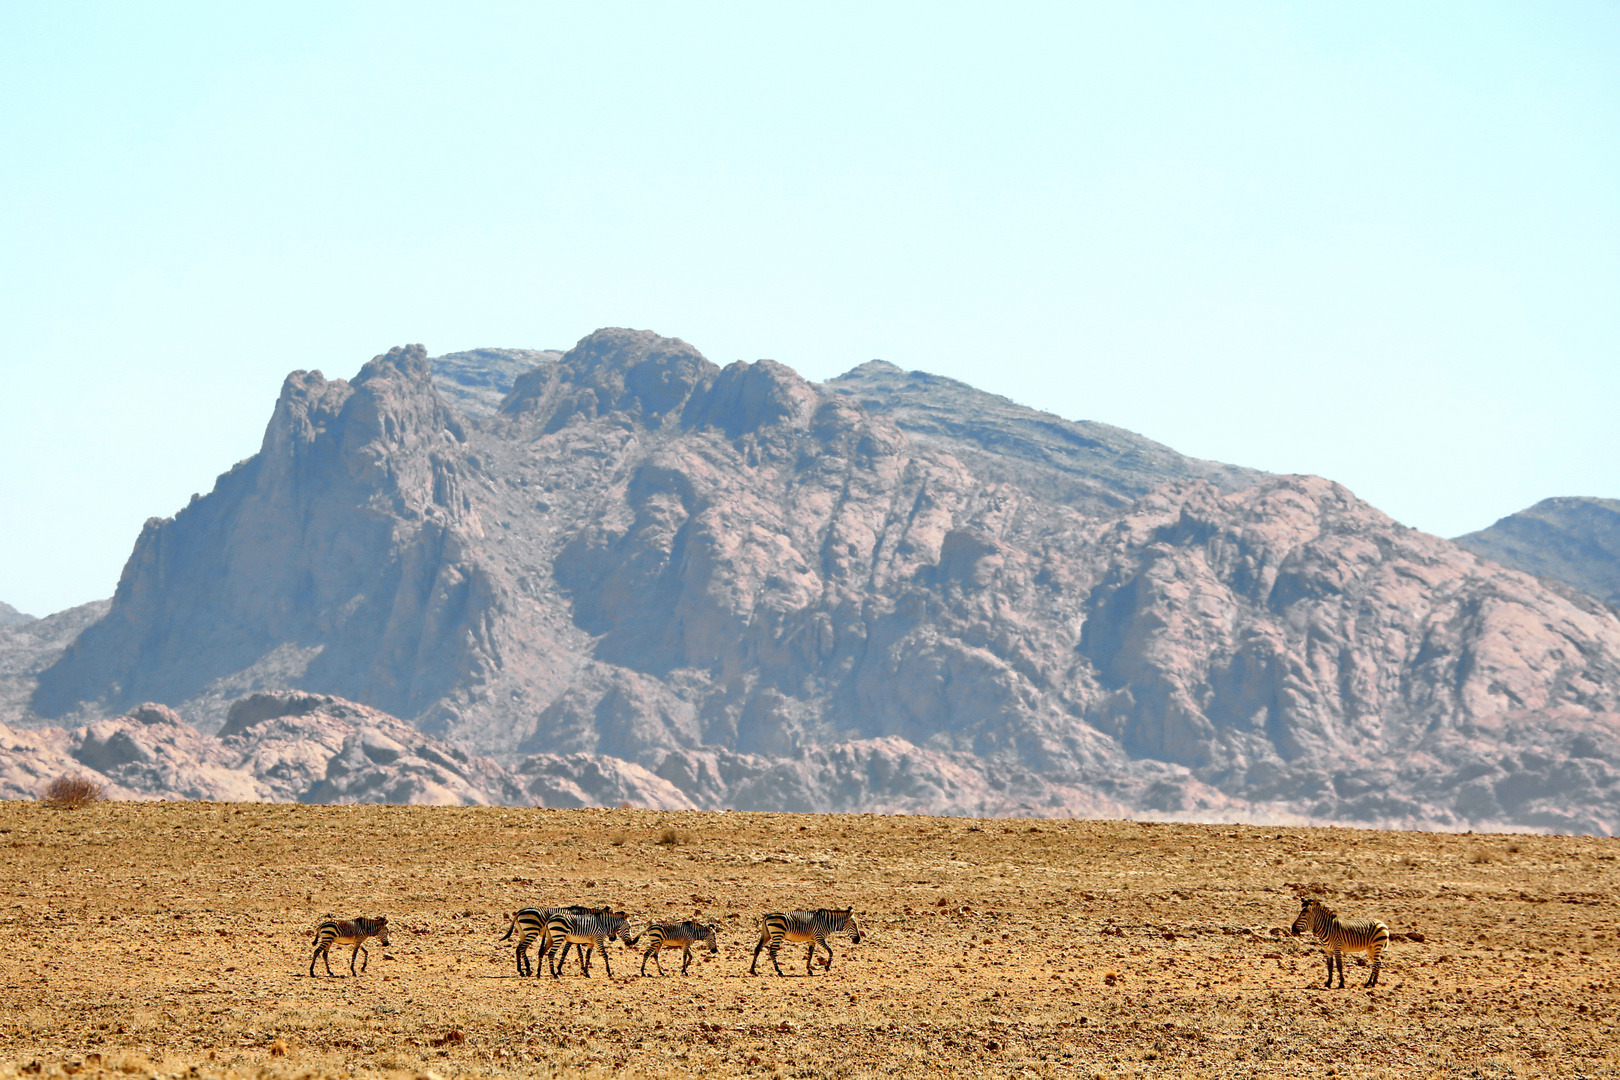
(1326, 927)
(352, 930)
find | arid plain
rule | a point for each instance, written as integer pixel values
(174, 939)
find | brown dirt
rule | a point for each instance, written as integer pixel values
(174, 939)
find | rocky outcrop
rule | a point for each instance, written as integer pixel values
(646, 578)
(1572, 540)
(276, 747)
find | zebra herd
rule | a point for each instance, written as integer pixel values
(589, 929)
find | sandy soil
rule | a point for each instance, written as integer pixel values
(174, 939)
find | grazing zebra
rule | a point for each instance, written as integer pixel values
(592, 930)
(681, 935)
(812, 926)
(347, 932)
(533, 923)
(1337, 938)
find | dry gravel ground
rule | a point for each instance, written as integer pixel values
(173, 939)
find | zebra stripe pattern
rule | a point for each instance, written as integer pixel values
(588, 931)
(347, 932)
(682, 935)
(813, 926)
(532, 922)
(1338, 937)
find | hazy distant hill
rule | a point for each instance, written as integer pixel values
(886, 592)
(10, 616)
(1573, 540)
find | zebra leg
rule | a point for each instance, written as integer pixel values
(828, 947)
(1377, 961)
(358, 950)
(312, 960)
(551, 960)
(686, 958)
(1338, 956)
(751, 967)
(810, 955)
(776, 947)
(601, 944)
(1329, 984)
(644, 957)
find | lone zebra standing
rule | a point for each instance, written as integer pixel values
(813, 926)
(1337, 937)
(681, 935)
(348, 932)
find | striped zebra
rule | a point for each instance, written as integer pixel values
(347, 932)
(812, 926)
(1337, 938)
(588, 931)
(681, 935)
(532, 922)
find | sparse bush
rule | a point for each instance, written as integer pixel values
(1479, 856)
(72, 791)
(618, 838)
(671, 836)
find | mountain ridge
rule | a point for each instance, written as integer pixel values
(886, 591)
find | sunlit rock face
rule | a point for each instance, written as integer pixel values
(647, 578)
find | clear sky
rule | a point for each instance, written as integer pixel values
(1377, 242)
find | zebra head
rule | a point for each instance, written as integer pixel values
(382, 931)
(847, 916)
(1308, 908)
(707, 933)
(617, 922)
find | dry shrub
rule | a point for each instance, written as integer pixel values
(671, 836)
(1480, 856)
(618, 837)
(72, 791)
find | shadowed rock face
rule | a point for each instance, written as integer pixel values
(1573, 540)
(343, 542)
(647, 578)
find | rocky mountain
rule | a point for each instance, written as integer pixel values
(1573, 540)
(10, 616)
(30, 647)
(647, 575)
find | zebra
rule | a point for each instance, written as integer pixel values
(1337, 938)
(812, 926)
(591, 930)
(682, 935)
(533, 922)
(347, 932)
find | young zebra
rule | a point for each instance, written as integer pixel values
(811, 926)
(1337, 938)
(533, 923)
(587, 931)
(682, 935)
(348, 932)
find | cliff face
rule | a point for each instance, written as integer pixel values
(648, 574)
(337, 558)
(1572, 540)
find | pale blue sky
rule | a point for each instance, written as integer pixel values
(1376, 242)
